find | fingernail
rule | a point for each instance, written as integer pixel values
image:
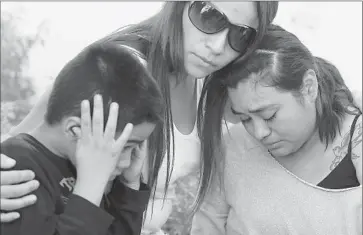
(114, 105)
(16, 215)
(84, 103)
(11, 161)
(35, 184)
(32, 174)
(98, 97)
(32, 198)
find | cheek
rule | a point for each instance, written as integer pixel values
(228, 56)
(294, 124)
(125, 159)
(191, 35)
(249, 128)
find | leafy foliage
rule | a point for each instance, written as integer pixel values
(16, 86)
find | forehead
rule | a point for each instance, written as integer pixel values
(239, 13)
(141, 131)
(251, 94)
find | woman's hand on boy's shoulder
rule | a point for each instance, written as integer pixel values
(16, 188)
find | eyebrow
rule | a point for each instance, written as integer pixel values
(260, 109)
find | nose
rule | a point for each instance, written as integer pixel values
(217, 42)
(261, 130)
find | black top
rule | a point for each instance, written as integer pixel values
(343, 175)
(58, 211)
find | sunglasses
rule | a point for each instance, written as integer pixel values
(206, 18)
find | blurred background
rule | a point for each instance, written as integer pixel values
(38, 38)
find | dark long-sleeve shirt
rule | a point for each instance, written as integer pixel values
(58, 211)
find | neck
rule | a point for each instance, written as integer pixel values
(185, 83)
(50, 138)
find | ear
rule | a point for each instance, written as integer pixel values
(72, 128)
(310, 86)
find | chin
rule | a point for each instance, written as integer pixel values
(280, 152)
(197, 72)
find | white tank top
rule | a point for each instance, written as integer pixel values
(186, 155)
(186, 162)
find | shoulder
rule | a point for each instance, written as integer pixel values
(357, 139)
(136, 41)
(351, 131)
(22, 150)
(357, 148)
(18, 144)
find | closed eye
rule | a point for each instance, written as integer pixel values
(271, 118)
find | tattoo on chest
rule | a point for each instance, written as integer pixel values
(341, 151)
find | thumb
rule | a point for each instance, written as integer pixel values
(124, 137)
(138, 158)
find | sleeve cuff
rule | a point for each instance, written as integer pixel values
(130, 199)
(88, 214)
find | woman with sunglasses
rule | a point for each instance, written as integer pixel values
(185, 41)
(301, 172)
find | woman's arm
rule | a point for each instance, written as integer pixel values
(17, 184)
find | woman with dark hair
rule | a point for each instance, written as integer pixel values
(298, 168)
(183, 42)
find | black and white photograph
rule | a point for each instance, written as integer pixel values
(181, 118)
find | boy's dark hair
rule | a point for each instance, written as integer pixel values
(116, 73)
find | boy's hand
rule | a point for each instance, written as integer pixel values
(97, 151)
(131, 175)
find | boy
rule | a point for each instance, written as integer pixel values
(94, 97)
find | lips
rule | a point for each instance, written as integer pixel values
(271, 145)
(205, 60)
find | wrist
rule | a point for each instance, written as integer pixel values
(90, 188)
(86, 175)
